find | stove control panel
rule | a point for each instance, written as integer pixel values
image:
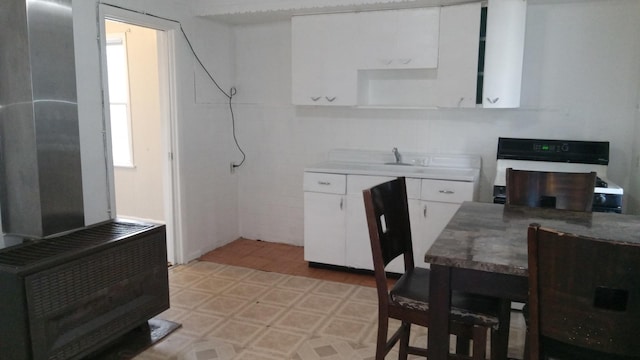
(567, 151)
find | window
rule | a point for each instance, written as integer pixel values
(121, 143)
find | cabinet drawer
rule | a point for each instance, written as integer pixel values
(357, 183)
(446, 191)
(325, 183)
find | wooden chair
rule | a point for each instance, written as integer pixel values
(567, 191)
(408, 301)
(584, 297)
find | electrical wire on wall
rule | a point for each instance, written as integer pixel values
(229, 95)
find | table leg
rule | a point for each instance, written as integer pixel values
(439, 310)
(500, 339)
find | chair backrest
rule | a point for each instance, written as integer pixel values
(387, 213)
(584, 294)
(566, 191)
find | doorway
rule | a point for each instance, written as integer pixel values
(137, 63)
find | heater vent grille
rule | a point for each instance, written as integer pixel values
(49, 292)
(41, 250)
(89, 301)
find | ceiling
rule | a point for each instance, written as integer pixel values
(238, 12)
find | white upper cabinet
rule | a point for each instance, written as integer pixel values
(458, 65)
(398, 39)
(504, 53)
(324, 70)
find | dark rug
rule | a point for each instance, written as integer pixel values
(137, 340)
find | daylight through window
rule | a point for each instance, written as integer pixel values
(119, 100)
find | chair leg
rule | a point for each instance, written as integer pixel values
(404, 341)
(381, 344)
(479, 343)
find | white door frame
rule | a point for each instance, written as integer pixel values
(168, 100)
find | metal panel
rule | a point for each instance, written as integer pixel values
(41, 191)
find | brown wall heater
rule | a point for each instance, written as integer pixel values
(68, 296)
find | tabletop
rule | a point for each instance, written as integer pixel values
(493, 237)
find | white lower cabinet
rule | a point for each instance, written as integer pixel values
(335, 224)
(324, 218)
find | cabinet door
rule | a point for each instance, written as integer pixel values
(323, 66)
(504, 53)
(398, 39)
(435, 216)
(358, 244)
(458, 66)
(324, 228)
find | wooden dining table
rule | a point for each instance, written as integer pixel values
(483, 250)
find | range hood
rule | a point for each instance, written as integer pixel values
(40, 169)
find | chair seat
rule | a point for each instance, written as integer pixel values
(412, 291)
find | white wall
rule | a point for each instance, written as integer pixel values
(580, 82)
(208, 199)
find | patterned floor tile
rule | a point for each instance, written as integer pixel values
(349, 330)
(234, 272)
(213, 284)
(278, 342)
(334, 289)
(265, 278)
(260, 313)
(326, 348)
(171, 345)
(222, 305)
(299, 283)
(300, 321)
(255, 355)
(359, 311)
(208, 350)
(281, 297)
(317, 303)
(189, 299)
(245, 290)
(198, 323)
(365, 294)
(183, 279)
(236, 332)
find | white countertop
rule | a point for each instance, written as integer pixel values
(453, 167)
(410, 171)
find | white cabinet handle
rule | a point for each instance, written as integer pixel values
(316, 98)
(326, 183)
(405, 61)
(386, 61)
(447, 192)
(493, 101)
(460, 101)
(424, 211)
(330, 99)
(341, 203)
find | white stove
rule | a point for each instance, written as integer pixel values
(559, 156)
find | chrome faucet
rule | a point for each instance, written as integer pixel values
(397, 155)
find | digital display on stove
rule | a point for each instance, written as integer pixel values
(546, 147)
